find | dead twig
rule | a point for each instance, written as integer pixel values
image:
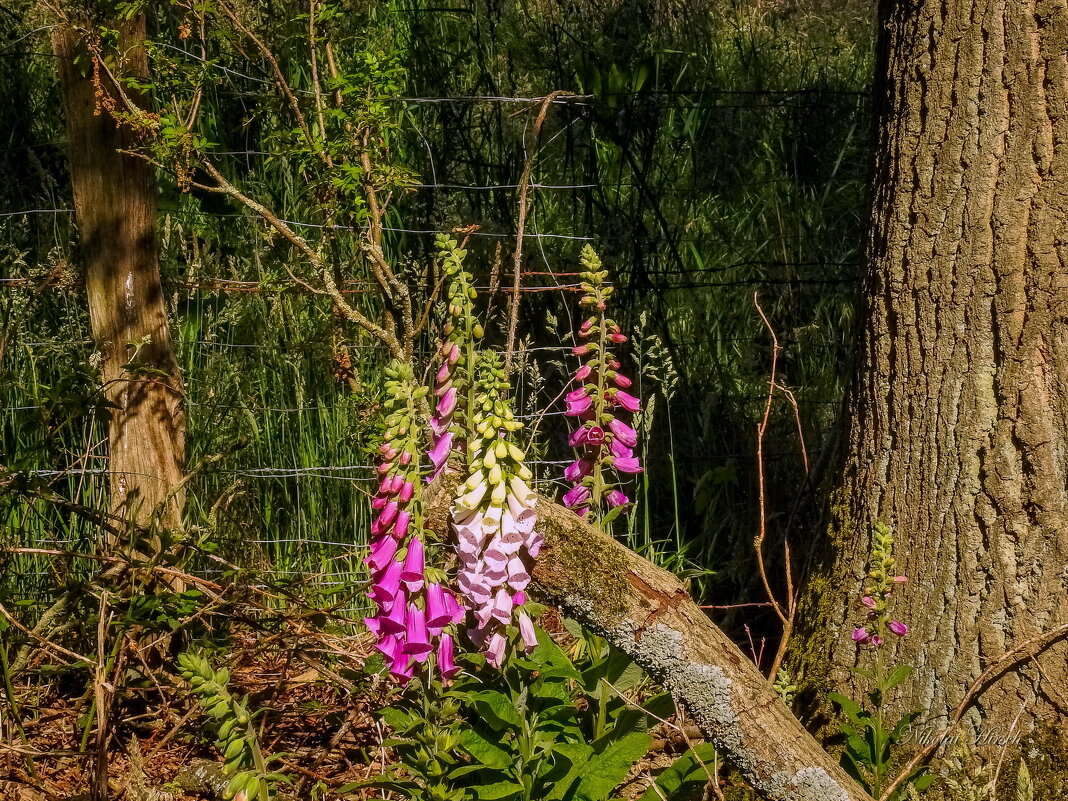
(521, 224)
(59, 649)
(786, 613)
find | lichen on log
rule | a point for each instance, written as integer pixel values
(646, 612)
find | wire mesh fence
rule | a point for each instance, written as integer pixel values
(259, 353)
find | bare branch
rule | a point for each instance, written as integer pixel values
(223, 186)
(1025, 650)
(521, 224)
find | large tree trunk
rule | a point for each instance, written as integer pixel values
(645, 611)
(958, 418)
(115, 211)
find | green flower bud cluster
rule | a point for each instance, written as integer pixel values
(403, 434)
(881, 566)
(461, 293)
(491, 455)
(235, 736)
(592, 280)
(455, 375)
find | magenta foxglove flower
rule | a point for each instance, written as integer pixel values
(623, 433)
(412, 572)
(438, 613)
(396, 621)
(396, 554)
(603, 440)
(576, 495)
(389, 511)
(439, 454)
(579, 406)
(898, 628)
(578, 469)
(447, 403)
(626, 464)
(381, 553)
(526, 630)
(446, 656)
(627, 401)
(416, 639)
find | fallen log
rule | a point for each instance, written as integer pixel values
(647, 613)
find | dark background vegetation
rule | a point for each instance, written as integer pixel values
(714, 151)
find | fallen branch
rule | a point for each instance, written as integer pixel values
(646, 612)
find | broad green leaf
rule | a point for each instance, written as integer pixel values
(850, 707)
(605, 771)
(500, 790)
(660, 706)
(684, 778)
(489, 754)
(572, 759)
(630, 678)
(897, 675)
(627, 719)
(463, 770)
(397, 719)
(923, 782)
(496, 709)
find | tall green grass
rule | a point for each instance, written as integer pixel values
(718, 151)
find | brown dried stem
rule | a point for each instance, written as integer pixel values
(521, 224)
(1025, 650)
(787, 613)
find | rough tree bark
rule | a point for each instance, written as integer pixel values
(958, 416)
(647, 613)
(115, 212)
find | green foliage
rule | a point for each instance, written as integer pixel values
(685, 778)
(726, 152)
(784, 686)
(870, 739)
(236, 739)
(963, 777)
(870, 735)
(540, 728)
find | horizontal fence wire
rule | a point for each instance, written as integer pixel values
(354, 482)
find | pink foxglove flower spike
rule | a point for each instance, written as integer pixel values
(400, 587)
(452, 381)
(604, 440)
(879, 592)
(494, 518)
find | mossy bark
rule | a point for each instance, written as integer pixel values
(646, 612)
(958, 416)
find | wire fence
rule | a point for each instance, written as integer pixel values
(306, 530)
